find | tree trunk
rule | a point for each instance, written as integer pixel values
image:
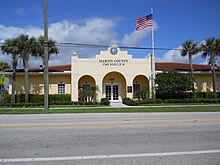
(213, 62)
(13, 87)
(26, 79)
(192, 76)
(14, 65)
(214, 82)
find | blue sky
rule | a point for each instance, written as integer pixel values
(112, 22)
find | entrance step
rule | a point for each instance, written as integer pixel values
(117, 104)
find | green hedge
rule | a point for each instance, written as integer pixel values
(105, 101)
(188, 95)
(59, 97)
(35, 99)
(6, 99)
(196, 100)
(206, 95)
(65, 99)
(128, 101)
(149, 101)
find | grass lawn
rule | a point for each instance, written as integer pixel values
(66, 109)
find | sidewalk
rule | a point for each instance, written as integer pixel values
(117, 105)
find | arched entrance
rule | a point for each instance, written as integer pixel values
(85, 82)
(114, 86)
(140, 87)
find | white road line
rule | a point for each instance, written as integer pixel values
(109, 156)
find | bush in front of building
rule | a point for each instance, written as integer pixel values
(149, 101)
(128, 101)
(172, 85)
(59, 97)
(61, 103)
(36, 98)
(6, 99)
(104, 101)
(206, 95)
(195, 100)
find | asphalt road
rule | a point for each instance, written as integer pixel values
(104, 139)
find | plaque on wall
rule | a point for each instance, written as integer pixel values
(129, 89)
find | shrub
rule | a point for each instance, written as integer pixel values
(105, 101)
(61, 103)
(20, 98)
(27, 104)
(172, 85)
(196, 100)
(128, 101)
(75, 103)
(91, 103)
(150, 101)
(172, 101)
(35, 98)
(6, 99)
(59, 97)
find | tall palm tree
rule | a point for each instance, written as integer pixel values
(52, 48)
(27, 46)
(10, 46)
(211, 49)
(189, 49)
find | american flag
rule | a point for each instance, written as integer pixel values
(144, 22)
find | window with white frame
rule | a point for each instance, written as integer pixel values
(61, 88)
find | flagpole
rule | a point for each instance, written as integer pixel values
(153, 92)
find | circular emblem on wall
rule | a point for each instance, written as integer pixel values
(114, 51)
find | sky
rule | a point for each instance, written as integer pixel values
(112, 23)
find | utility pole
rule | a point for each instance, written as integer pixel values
(46, 78)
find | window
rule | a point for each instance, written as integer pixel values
(136, 87)
(86, 85)
(61, 88)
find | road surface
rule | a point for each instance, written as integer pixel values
(104, 139)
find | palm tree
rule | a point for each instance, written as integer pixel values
(52, 49)
(211, 49)
(27, 46)
(10, 46)
(94, 89)
(189, 49)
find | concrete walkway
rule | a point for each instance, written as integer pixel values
(117, 105)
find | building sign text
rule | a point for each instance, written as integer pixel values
(113, 62)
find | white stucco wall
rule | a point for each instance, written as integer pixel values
(105, 63)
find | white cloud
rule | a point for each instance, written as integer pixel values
(89, 31)
(136, 36)
(172, 56)
(11, 31)
(175, 56)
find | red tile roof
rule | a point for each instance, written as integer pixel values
(166, 66)
(160, 66)
(60, 68)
